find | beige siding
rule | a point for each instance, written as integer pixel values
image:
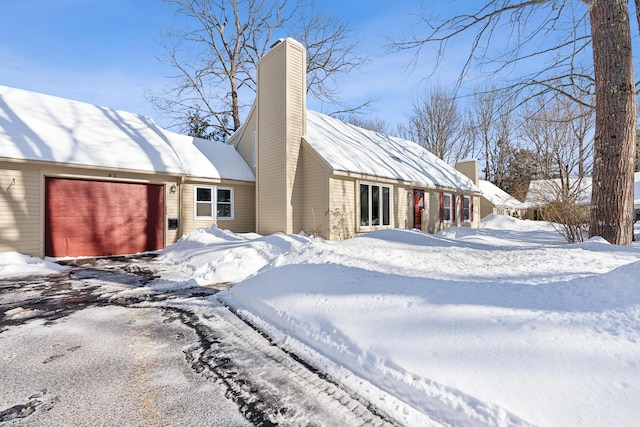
(486, 207)
(403, 206)
(296, 128)
(21, 221)
(245, 141)
(432, 222)
(342, 214)
(244, 210)
(271, 172)
(315, 207)
(243, 207)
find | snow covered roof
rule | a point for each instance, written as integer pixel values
(207, 159)
(498, 197)
(543, 191)
(35, 126)
(349, 148)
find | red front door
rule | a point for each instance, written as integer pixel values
(418, 207)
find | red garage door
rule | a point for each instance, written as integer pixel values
(95, 218)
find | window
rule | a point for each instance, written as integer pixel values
(466, 208)
(224, 203)
(209, 207)
(446, 207)
(204, 202)
(375, 205)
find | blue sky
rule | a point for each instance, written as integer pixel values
(105, 52)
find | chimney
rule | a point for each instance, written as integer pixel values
(470, 169)
(281, 123)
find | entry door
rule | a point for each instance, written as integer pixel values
(418, 208)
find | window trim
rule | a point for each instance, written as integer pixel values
(467, 215)
(213, 202)
(196, 202)
(444, 207)
(385, 213)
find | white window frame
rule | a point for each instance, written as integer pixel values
(381, 208)
(230, 189)
(197, 202)
(213, 202)
(466, 208)
(450, 207)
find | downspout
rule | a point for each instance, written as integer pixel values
(180, 197)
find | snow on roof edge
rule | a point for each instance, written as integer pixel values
(48, 128)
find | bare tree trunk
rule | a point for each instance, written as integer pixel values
(615, 136)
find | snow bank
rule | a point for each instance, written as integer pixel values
(16, 265)
(213, 256)
(465, 332)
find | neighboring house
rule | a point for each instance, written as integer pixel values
(320, 175)
(497, 201)
(544, 191)
(77, 179)
(82, 180)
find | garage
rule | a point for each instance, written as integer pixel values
(100, 218)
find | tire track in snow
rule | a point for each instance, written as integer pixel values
(270, 386)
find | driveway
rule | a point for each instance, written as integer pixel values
(96, 346)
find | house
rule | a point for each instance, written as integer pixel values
(545, 191)
(82, 180)
(78, 179)
(320, 175)
(497, 201)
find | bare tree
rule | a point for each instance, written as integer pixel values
(555, 33)
(375, 124)
(215, 48)
(331, 52)
(557, 130)
(490, 124)
(434, 122)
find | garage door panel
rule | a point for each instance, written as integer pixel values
(94, 218)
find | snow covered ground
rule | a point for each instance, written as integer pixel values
(503, 325)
